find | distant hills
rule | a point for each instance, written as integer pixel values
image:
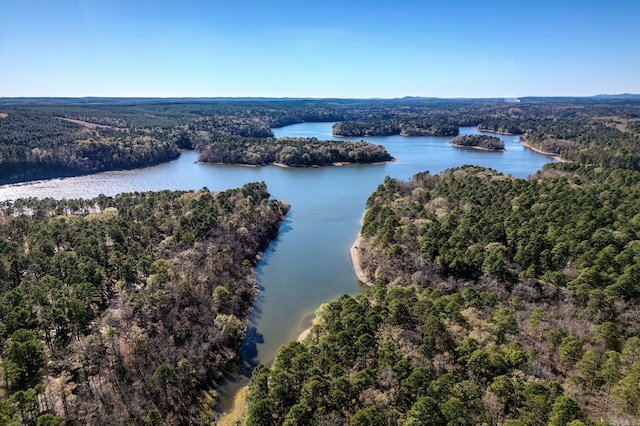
(106, 99)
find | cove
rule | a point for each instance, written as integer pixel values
(308, 264)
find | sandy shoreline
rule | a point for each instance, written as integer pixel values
(303, 335)
(356, 261)
(477, 148)
(526, 145)
(539, 151)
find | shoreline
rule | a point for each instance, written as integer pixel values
(356, 261)
(303, 335)
(401, 133)
(477, 148)
(496, 132)
(335, 164)
(539, 151)
(239, 410)
(525, 144)
(312, 166)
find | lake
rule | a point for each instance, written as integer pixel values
(308, 264)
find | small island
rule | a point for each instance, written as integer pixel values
(289, 152)
(481, 142)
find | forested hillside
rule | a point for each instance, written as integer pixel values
(126, 310)
(431, 125)
(37, 144)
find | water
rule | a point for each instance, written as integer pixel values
(308, 264)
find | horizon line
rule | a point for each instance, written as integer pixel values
(408, 97)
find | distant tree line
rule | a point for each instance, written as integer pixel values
(50, 137)
(410, 126)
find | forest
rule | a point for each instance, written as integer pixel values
(490, 299)
(482, 142)
(405, 126)
(126, 309)
(493, 300)
(51, 138)
(292, 152)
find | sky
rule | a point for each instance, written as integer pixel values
(319, 49)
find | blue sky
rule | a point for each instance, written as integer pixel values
(321, 49)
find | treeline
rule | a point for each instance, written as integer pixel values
(410, 126)
(45, 137)
(126, 310)
(487, 143)
(34, 140)
(610, 141)
(295, 152)
(596, 132)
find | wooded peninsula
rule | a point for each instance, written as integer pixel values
(491, 300)
(119, 310)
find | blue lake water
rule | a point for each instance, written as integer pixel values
(309, 263)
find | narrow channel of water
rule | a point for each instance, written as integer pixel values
(309, 263)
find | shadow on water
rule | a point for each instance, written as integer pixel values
(240, 371)
(249, 351)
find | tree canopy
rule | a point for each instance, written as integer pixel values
(117, 310)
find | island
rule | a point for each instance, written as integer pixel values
(290, 152)
(479, 142)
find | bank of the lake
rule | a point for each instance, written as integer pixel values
(356, 259)
(539, 151)
(479, 148)
(480, 129)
